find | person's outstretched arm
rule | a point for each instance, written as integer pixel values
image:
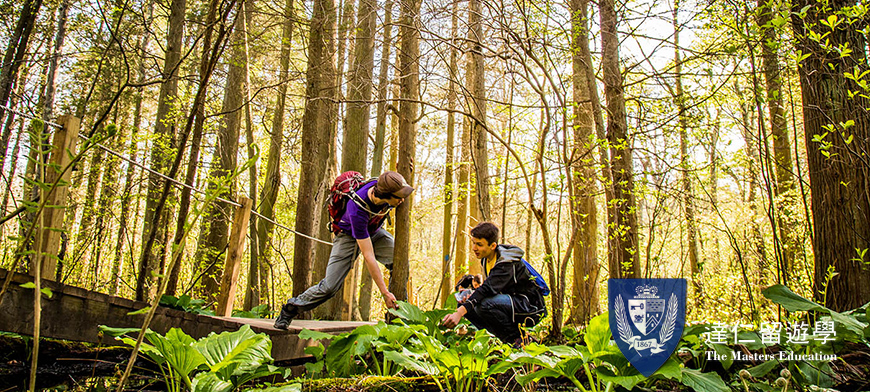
(368, 252)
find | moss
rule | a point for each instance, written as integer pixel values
(370, 384)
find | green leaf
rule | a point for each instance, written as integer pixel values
(725, 352)
(670, 370)
(176, 348)
(283, 388)
(47, 291)
(115, 332)
(28, 285)
(598, 333)
(316, 335)
(209, 382)
(409, 312)
(241, 350)
(411, 363)
(535, 376)
(792, 302)
(708, 382)
(140, 311)
(762, 369)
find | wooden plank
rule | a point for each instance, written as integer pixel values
(75, 314)
(51, 221)
(235, 249)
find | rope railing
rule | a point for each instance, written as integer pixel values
(163, 176)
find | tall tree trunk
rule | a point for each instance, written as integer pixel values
(408, 56)
(585, 213)
(462, 263)
(252, 292)
(214, 234)
(367, 284)
(52, 70)
(447, 237)
(319, 115)
(356, 124)
(688, 190)
(193, 160)
(838, 166)
(12, 60)
(623, 261)
(475, 75)
(782, 158)
(161, 153)
(273, 165)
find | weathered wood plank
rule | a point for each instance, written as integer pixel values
(235, 249)
(73, 313)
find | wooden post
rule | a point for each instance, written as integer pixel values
(51, 220)
(235, 249)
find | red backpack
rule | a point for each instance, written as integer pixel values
(344, 187)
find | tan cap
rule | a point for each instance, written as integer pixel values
(393, 183)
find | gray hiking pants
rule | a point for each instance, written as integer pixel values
(344, 252)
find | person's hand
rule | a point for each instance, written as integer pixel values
(451, 320)
(390, 300)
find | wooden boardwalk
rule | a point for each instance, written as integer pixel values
(73, 313)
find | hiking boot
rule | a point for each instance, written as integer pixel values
(288, 313)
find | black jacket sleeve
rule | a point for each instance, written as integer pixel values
(500, 277)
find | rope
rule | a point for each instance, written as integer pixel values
(164, 177)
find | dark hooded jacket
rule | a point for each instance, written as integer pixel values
(510, 276)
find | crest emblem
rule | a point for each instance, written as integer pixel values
(647, 317)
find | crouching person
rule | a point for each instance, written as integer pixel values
(508, 298)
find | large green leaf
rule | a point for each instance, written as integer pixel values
(597, 336)
(670, 370)
(316, 335)
(762, 369)
(411, 363)
(241, 350)
(627, 380)
(409, 313)
(178, 352)
(210, 382)
(792, 302)
(707, 382)
(283, 388)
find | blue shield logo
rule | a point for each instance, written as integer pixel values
(647, 317)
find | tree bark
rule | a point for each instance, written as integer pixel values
(782, 158)
(408, 56)
(318, 126)
(447, 236)
(12, 60)
(161, 152)
(214, 234)
(475, 76)
(688, 195)
(623, 261)
(367, 284)
(838, 164)
(585, 213)
(272, 184)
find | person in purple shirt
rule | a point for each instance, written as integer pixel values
(361, 232)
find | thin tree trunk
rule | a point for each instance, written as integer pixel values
(252, 293)
(408, 56)
(273, 166)
(782, 158)
(318, 126)
(475, 75)
(585, 219)
(163, 148)
(214, 234)
(688, 195)
(447, 237)
(462, 263)
(623, 261)
(367, 284)
(12, 60)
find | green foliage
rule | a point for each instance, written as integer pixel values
(222, 362)
(259, 311)
(186, 304)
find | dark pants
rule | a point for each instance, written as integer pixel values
(497, 314)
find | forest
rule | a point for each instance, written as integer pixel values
(724, 142)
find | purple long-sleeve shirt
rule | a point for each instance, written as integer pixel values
(358, 222)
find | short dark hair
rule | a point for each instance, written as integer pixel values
(487, 231)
